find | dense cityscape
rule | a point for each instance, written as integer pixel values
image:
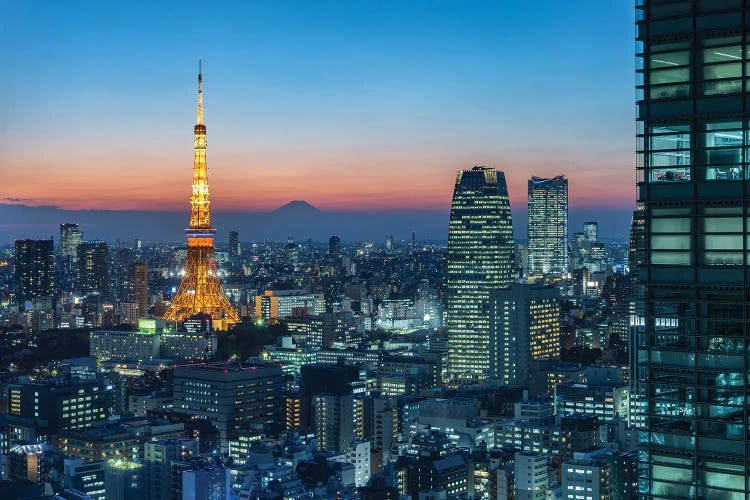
(561, 365)
(484, 368)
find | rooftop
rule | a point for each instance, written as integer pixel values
(227, 367)
(123, 464)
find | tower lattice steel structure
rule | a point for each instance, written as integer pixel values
(200, 290)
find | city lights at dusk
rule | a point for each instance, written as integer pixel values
(375, 250)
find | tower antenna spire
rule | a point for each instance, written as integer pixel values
(200, 92)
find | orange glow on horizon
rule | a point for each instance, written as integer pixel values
(266, 180)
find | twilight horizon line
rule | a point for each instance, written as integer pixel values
(269, 209)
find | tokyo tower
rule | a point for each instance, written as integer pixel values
(200, 290)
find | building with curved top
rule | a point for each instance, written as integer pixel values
(481, 258)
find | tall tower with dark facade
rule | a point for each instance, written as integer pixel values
(693, 134)
(334, 246)
(34, 270)
(234, 245)
(200, 290)
(548, 226)
(93, 268)
(141, 288)
(480, 259)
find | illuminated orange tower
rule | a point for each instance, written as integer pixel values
(200, 290)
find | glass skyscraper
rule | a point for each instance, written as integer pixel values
(693, 141)
(70, 238)
(548, 225)
(480, 259)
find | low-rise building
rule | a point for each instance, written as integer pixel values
(275, 304)
(605, 401)
(85, 477)
(122, 439)
(230, 395)
(151, 341)
(188, 345)
(61, 403)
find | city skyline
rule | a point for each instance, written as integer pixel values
(312, 317)
(289, 122)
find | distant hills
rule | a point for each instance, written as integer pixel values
(298, 219)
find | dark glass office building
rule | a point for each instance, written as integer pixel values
(93, 267)
(693, 139)
(34, 270)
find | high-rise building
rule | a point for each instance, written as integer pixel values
(123, 274)
(692, 170)
(380, 427)
(480, 259)
(125, 480)
(158, 456)
(334, 246)
(70, 237)
(548, 225)
(636, 318)
(336, 420)
(524, 327)
(141, 288)
(230, 395)
(35, 270)
(591, 231)
(234, 244)
(532, 476)
(93, 268)
(200, 290)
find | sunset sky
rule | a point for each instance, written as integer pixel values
(356, 105)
